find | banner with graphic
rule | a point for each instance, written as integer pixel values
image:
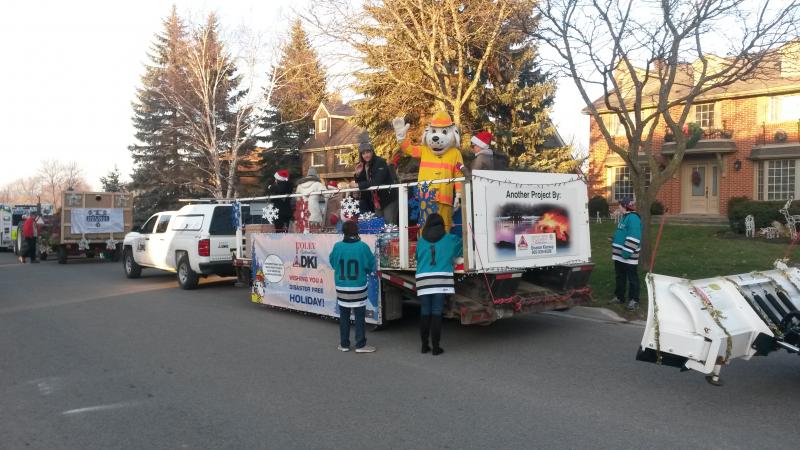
(97, 220)
(533, 220)
(293, 271)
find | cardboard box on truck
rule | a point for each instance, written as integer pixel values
(94, 222)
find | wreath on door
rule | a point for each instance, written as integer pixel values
(696, 180)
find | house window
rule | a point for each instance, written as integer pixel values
(613, 125)
(318, 159)
(784, 108)
(621, 186)
(704, 115)
(779, 179)
(323, 125)
(343, 157)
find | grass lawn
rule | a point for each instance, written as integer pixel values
(685, 251)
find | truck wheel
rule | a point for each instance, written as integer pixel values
(132, 270)
(43, 256)
(62, 254)
(187, 278)
(89, 255)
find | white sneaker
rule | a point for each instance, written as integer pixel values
(633, 305)
(343, 349)
(366, 349)
(616, 301)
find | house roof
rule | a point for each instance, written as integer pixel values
(337, 108)
(344, 134)
(768, 82)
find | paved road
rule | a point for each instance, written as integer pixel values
(91, 360)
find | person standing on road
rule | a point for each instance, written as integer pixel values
(30, 232)
(352, 260)
(436, 250)
(625, 248)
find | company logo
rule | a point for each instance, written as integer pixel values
(305, 255)
(97, 217)
(522, 244)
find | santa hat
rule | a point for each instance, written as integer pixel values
(282, 175)
(441, 120)
(482, 139)
(332, 185)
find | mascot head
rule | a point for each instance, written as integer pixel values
(441, 134)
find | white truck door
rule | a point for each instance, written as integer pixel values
(222, 233)
(141, 248)
(160, 241)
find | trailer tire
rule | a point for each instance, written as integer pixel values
(62, 254)
(43, 256)
(132, 269)
(187, 278)
(89, 255)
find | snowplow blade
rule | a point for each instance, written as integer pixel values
(703, 324)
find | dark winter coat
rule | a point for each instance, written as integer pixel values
(376, 173)
(284, 205)
(483, 161)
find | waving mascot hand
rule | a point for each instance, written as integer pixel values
(439, 157)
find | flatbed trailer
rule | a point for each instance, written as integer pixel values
(526, 247)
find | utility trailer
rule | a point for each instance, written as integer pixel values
(92, 223)
(526, 250)
(703, 324)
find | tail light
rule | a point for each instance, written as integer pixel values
(204, 247)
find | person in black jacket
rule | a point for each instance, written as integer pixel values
(372, 170)
(282, 186)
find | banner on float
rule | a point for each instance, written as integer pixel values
(97, 220)
(293, 271)
(530, 220)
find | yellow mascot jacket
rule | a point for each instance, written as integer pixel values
(435, 167)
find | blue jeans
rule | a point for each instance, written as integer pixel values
(344, 326)
(432, 304)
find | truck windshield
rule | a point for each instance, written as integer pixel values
(222, 222)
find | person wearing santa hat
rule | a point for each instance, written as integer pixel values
(282, 186)
(484, 157)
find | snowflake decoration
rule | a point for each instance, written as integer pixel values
(111, 244)
(423, 203)
(270, 213)
(391, 228)
(350, 208)
(367, 216)
(122, 201)
(83, 244)
(74, 200)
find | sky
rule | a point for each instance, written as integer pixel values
(72, 68)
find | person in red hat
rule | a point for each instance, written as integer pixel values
(484, 157)
(282, 186)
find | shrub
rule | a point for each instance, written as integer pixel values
(598, 204)
(656, 208)
(764, 213)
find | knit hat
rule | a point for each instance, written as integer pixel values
(282, 175)
(312, 172)
(441, 120)
(628, 203)
(482, 139)
(365, 147)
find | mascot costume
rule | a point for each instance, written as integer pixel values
(440, 158)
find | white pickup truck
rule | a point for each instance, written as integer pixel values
(194, 241)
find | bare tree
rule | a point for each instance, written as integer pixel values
(72, 177)
(51, 174)
(652, 61)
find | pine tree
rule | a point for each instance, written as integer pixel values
(161, 174)
(111, 182)
(299, 85)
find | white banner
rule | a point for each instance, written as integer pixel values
(293, 271)
(529, 219)
(97, 220)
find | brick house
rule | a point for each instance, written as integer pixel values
(750, 145)
(334, 143)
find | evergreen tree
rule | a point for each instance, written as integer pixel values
(299, 85)
(111, 182)
(161, 174)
